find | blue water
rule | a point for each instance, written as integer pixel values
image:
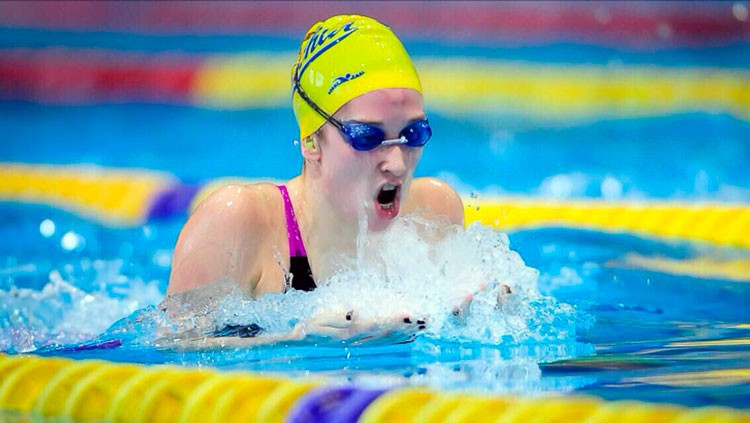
(629, 318)
(483, 155)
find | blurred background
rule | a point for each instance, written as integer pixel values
(555, 99)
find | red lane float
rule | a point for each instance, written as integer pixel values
(54, 76)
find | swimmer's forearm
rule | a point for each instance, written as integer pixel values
(208, 343)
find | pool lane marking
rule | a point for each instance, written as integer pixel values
(737, 270)
(723, 377)
(579, 91)
(119, 197)
(243, 80)
(126, 197)
(712, 343)
(626, 25)
(712, 222)
(275, 404)
(467, 86)
(453, 85)
(63, 75)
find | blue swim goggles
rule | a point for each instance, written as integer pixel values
(366, 137)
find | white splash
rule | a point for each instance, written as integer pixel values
(455, 281)
(63, 313)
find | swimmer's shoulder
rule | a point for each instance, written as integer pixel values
(242, 205)
(224, 237)
(438, 197)
(250, 213)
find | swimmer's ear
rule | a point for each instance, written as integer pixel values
(310, 143)
(310, 150)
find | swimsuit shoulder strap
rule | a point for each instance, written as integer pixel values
(299, 267)
(296, 246)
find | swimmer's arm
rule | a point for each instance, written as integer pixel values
(439, 198)
(220, 241)
(208, 343)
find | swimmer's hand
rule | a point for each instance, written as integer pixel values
(461, 310)
(349, 327)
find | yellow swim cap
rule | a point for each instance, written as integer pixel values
(343, 57)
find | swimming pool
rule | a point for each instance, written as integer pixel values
(630, 306)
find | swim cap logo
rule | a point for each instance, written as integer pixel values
(341, 79)
(322, 40)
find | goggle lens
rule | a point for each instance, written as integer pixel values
(364, 137)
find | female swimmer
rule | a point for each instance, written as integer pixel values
(358, 102)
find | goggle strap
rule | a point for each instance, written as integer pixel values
(314, 105)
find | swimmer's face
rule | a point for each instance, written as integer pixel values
(375, 183)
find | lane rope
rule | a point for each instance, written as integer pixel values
(127, 197)
(92, 390)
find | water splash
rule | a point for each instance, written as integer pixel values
(62, 312)
(454, 281)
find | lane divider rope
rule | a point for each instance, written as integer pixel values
(119, 197)
(92, 390)
(545, 92)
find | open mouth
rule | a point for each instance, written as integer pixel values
(387, 196)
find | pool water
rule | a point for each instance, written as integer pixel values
(637, 333)
(616, 315)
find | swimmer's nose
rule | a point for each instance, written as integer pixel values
(394, 160)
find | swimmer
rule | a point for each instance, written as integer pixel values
(358, 102)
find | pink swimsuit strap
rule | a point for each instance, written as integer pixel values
(296, 246)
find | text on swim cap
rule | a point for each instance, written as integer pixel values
(322, 40)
